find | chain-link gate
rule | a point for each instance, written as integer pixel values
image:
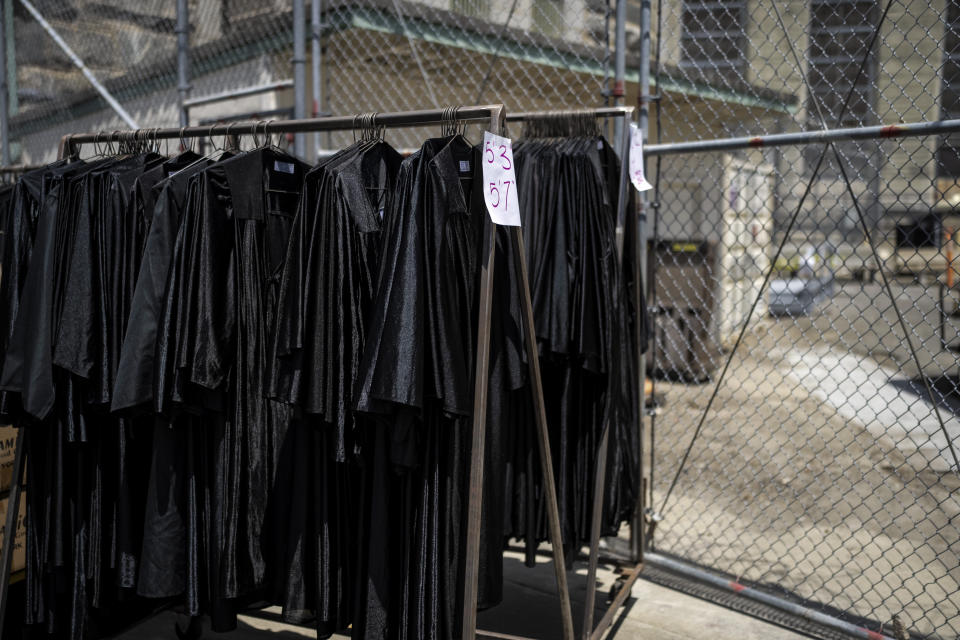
(811, 453)
(821, 471)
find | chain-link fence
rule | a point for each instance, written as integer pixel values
(811, 452)
(375, 55)
(819, 468)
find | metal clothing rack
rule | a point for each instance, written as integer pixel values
(15, 170)
(588, 631)
(492, 116)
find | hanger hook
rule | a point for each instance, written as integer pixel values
(266, 133)
(227, 138)
(264, 139)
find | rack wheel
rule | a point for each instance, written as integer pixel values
(615, 589)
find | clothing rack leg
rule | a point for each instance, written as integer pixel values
(481, 380)
(540, 414)
(595, 525)
(599, 486)
(475, 497)
(10, 532)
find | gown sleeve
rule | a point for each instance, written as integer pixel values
(209, 292)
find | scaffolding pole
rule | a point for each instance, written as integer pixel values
(620, 64)
(92, 79)
(299, 73)
(316, 54)
(183, 60)
(4, 92)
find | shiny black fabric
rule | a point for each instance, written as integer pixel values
(6, 206)
(84, 507)
(417, 377)
(583, 318)
(19, 232)
(219, 303)
(245, 382)
(161, 203)
(165, 543)
(325, 297)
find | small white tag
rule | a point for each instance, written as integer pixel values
(636, 160)
(381, 214)
(283, 167)
(464, 166)
(500, 181)
(600, 145)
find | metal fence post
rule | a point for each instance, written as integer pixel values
(299, 73)
(316, 31)
(620, 64)
(183, 60)
(640, 282)
(4, 91)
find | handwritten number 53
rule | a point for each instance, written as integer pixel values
(491, 156)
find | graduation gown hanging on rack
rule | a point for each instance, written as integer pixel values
(219, 304)
(325, 296)
(415, 377)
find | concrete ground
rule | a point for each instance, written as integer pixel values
(530, 609)
(822, 466)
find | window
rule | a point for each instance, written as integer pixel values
(948, 153)
(472, 8)
(840, 31)
(839, 35)
(548, 17)
(713, 36)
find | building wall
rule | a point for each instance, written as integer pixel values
(159, 108)
(909, 91)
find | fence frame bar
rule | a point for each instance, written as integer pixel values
(820, 136)
(693, 572)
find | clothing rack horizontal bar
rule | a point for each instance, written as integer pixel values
(601, 112)
(238, 93)
(883, 131)
(466, 115)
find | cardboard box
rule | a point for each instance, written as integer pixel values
(8, 445)
(20, 550)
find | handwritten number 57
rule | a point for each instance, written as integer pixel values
(495, 192)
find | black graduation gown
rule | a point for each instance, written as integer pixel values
(325, 296)
(165, 544)
(19, 231)
(219, 302)
(417, 377)
(568, 191)
(83, 506)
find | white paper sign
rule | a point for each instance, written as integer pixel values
(636, 160)
(500, 181)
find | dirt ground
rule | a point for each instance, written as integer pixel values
(822, 467)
